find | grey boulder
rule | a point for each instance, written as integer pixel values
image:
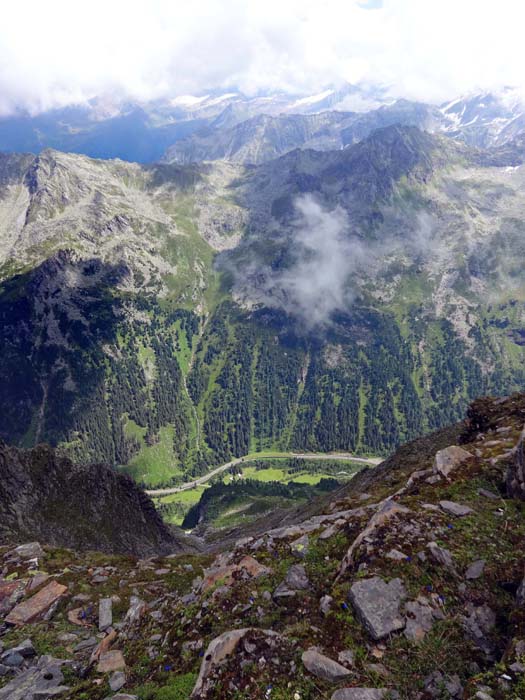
(323, 667)
(448, 460)
(377, 605)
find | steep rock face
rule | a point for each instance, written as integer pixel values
(47, 497)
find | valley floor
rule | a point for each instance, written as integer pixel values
(340, 456)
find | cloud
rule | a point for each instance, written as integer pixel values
(59, 52)
(315, 282)
(326, 264)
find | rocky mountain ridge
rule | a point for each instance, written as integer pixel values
(45, 496)
(256, 128)
(412, 589)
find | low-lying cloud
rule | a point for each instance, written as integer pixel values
(316, 284)
(328, 263)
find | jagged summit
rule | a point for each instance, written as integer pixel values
(45, 496)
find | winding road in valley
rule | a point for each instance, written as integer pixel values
(336, 456)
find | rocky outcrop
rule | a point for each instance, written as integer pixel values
(47, 497)
(43, 681)
(449, 459)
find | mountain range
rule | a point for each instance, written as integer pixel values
(250, 129)
(170, 316)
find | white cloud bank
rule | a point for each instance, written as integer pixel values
(57, 52)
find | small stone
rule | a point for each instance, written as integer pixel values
(481, 695)
(379, 670)
(25, 649)
(323, 667)
(396, 555)
(67, 638)
(478, 625)
(419, 619)
(117, 680)
(489, 494)
(296, 580)
(110, 661)
(325, 604)
(453, 686)
(299, 547)
(441, 555)
(517, 667)
(346, 657)
(475, 570)
(86, 644)
(105, 614)
(37, 581)
(162, 572)
(12, 659)
(455, 508)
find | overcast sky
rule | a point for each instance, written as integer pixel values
(56, 52)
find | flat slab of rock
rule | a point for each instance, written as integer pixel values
(35, 607)
(110, 661)
(448, 460)
(359, 694)
(377, 605)
(323, 667)
(41, 681)
(456, 509)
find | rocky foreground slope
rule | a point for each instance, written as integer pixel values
(409, 584)
(46, 496)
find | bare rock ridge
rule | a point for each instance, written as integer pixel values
(44, 496)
